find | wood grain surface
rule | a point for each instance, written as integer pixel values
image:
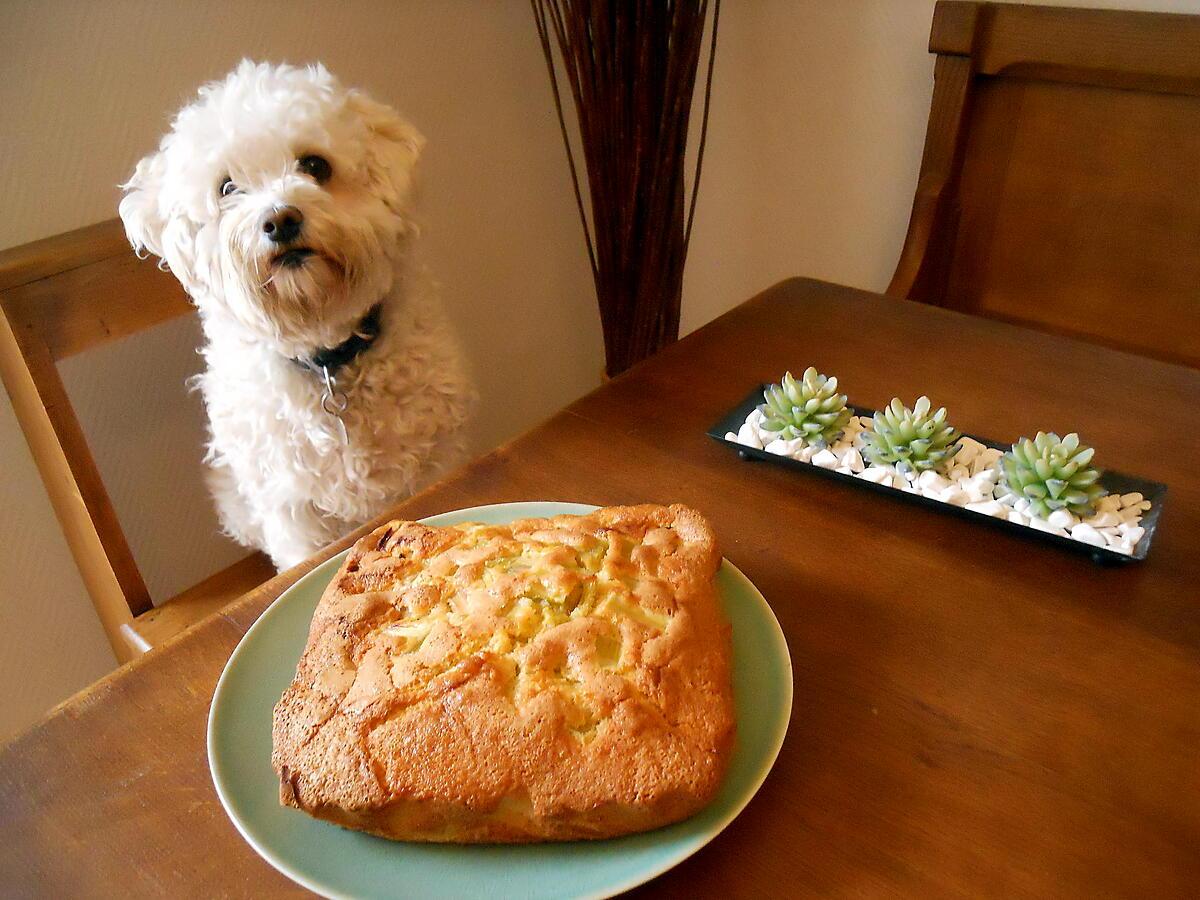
(975, 713)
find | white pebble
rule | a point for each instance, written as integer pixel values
(958, 473)
(988, 508)
(778, 447)
(1043, 525)
(805, 454)
(730, 436)
(747, 436)
(1131, 498)
(756, 417)
(931, 480)
(967, 451)
(1085, 533)
(1062, 518)
(1112, 537)
(1132, 533)
(954, 496)
(875, 475)
(841, 447)
(794, 447)
(825, 459)
(979, 488)
(1022, 505)
(853, 460)
(843, 470)
(1014, 516)
(899, 482)
(1125, 547)
(969, 448)
(990, 476)
(981, 465)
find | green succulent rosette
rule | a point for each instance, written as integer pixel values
(1053, 474)
(810, 408)
(912, 440)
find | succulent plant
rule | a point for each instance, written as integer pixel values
(912, 439)
(1052, 474)
(810, 408)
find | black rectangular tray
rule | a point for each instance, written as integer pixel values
(1114, 482)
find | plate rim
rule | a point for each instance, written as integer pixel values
(769, 760)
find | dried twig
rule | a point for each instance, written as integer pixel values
(631, 68)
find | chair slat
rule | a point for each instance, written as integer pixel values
(53, 255)
(84, 306)
(73, 483)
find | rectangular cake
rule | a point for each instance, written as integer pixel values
(547, 679)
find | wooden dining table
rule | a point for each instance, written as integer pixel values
(975, 713)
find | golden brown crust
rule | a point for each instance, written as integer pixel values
(549, 679)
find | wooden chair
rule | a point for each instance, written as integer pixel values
(1060, 184)
(61, 296)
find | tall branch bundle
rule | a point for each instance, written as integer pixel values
(631, 67)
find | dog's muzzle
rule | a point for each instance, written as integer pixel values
(283, 224)
(293, 258)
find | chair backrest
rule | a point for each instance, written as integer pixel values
(61, 296)
(1060, 183)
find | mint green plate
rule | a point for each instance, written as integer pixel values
(340, 863)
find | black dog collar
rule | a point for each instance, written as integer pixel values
(330, 360)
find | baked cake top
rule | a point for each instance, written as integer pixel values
(555, 665)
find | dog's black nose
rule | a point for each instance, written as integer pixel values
(282, 224)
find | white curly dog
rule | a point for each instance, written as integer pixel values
(334, 386)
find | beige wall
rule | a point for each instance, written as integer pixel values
(818, 119)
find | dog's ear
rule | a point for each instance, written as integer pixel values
(150, 228)
(392, 151)
(139, 208)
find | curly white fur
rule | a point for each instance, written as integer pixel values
(282, 477)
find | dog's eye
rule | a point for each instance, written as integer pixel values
(227, 187)
(317, 167)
